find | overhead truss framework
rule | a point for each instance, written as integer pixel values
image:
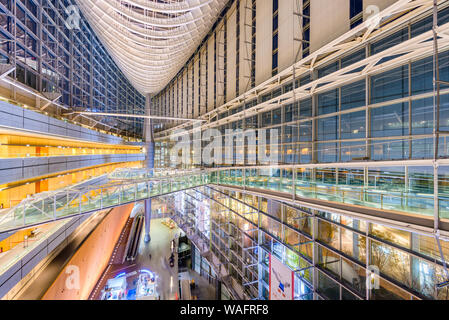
(151, 40)
(381, 24)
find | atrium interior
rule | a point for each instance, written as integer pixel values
(224, 149)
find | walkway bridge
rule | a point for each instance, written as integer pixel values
(359, 190)
(123, 187)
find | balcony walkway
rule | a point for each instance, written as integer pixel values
(129, 185)
(74, 201)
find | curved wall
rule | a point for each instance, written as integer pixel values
(91, 259)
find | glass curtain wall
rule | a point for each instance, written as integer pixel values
(331, 255)
(50, 56)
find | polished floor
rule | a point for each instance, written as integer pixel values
(167, 277)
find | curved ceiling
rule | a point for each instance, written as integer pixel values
(150, 40)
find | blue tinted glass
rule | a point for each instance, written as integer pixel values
(275, 5)
(353, 125)
(356, 23)
(422, 116)
(327, 69)
(288, 113)
(306, 37)
(327, 128)
(275, 22)
(389, 85)
(444, 67)
(251, 122)
(390, 120)
(291, 112)
(290, 154)
(390, 150)
(304, 80)
(422, 148)
(444, 112)
(275, 61)
(443, 16)
(356, 6)
(266, 119)
(328, 102)
(291, 133)
(275, 41)
(305, 131)
(353, 95)
(327, 152)
(305, 108)
(422, 76)
(277, 116)
(421, 26)
(389, 41)
(353, 150)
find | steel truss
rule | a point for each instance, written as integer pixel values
(151, 41)
(420, 46)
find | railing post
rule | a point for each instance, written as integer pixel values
(293, 183)
(244, 178)
(24, 214)
(381, 200)
(54, 207)
(80, 199)
(436, 199)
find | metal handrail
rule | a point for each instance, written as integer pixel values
(72, 201)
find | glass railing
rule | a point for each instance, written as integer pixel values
(410, 202)
(143, 173)
(135, 184)
(49, 206)
(389, 198)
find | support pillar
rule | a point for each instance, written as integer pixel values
(149, 163)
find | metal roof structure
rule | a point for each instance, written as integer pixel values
(150, 40)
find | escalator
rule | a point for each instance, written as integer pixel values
(134, 237)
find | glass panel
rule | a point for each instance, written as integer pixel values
(389, 41)
(389, 85)
(328, 287)
(354, 276)
(353, 244)
(328, 102)
(392, 262)
(329, 260)
(329, 234)
(327, 128)
(390, 120)
(353, 125)
(353, 95)
(387, 291)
